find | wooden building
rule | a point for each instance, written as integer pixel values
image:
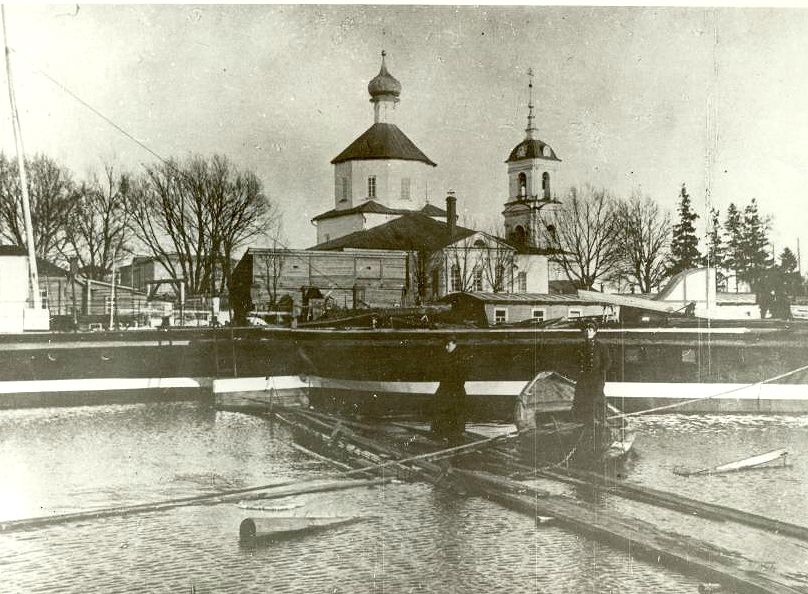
(304, 279)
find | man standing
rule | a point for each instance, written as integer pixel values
(589, 403)
(449, 419)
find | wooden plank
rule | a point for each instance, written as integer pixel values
(664, 499)
(641, 539)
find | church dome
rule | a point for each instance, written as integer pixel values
(384, 83)
(532, 148)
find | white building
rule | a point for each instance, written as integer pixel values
(380, 175)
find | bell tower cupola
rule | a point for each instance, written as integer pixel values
(533, 169)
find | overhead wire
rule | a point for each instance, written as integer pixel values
(64, 88)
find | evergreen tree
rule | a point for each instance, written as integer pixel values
(788, 261)
(715, 245)
(755, 244)
(788, 268)
(684, 245)
(735, 254)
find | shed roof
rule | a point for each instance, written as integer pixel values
(524, 298)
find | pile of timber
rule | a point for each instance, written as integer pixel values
(363, 444)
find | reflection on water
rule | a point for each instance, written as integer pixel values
(415, 538)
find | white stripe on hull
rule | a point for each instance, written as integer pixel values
(103, 384)
(690, 391)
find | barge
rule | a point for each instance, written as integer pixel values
(755, 369)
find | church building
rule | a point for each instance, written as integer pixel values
(380, 175)
(384, 244)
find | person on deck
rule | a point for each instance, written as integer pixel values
(589, 402)
(449, 419)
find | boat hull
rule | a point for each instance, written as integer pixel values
(396, 370)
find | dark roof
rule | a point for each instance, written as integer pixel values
(12, 250)
(383, 141)
(373, 207)
(533, 149)
(412, 231)
(45, 268)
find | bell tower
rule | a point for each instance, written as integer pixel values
(529, 214)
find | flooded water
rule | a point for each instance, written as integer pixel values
(413, 538)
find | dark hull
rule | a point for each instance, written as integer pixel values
(194, 357)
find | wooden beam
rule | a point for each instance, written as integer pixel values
(640, 539)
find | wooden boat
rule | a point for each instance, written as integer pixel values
(548, 436)
(273, 528)
(757, 461)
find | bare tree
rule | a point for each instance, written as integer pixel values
(50, 188)
(585, 237)
(644, 241)
(274, 261)
(97, 231)
(498, 261)
(464, 265)
(193, 216)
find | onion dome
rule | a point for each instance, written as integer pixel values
(385, 84)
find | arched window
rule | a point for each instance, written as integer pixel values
(522, 185)
(479, 243)
(478, 278)
(518, 235)
(545, 185)
(457, 285)
(499, 278)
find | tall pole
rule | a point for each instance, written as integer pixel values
(33, 276)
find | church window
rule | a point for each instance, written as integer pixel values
(435, 282)
(545, 185)
(371, 187)
(522, 185)
(478, 279)
(521, 282)
(519, 234)
(405, 188)
(499, 277)
(457, 285)
(345, 192)
(479, 243)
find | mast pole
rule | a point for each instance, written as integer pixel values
(33, 275)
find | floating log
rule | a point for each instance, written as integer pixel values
(756, 461)
(643, 540)
(271, 491)
(260, 529)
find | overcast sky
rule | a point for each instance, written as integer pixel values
(644, 98)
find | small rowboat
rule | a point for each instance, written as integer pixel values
(273, 528)
(757, 461)
(547, 435)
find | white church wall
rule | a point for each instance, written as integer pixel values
(328, 229)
